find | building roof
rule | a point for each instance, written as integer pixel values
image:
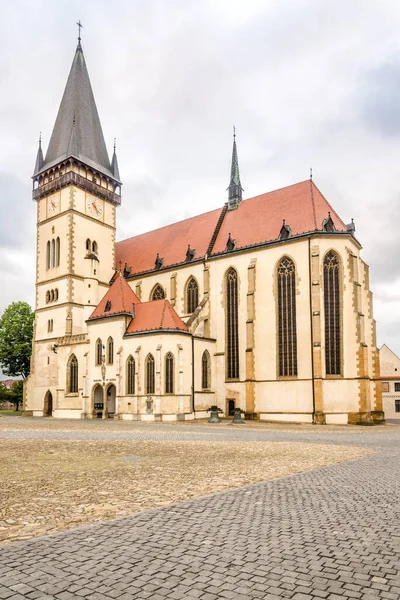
(255, 221)
(77, 131)
(155, 315)
(118, 300)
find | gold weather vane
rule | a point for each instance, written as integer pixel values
(79, 29)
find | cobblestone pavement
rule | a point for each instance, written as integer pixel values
(331, 533)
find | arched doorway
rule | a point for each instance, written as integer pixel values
(48, 405)
(231, 407)
(111, 394)
(98, 403)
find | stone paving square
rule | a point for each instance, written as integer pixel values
(331, 532)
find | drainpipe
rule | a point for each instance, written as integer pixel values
(311, 328)
(193, 400)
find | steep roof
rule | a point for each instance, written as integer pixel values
(170, 242)
(255, 221)
(77, 131)
(155, 315)
(120, 296)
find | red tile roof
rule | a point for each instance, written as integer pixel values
(257, 220)
(260, 219)
(121, 296)
(155, 315)
(170, 242)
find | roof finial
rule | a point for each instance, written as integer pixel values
(310, 173)
(79, 31)
(234, 131)
(115, 144)
(40, 139)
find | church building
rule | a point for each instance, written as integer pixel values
(262, 304)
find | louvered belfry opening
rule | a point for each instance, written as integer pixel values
(332, 314)
(192, 295)
(72, 375)
(130, 375)
(232, 325)
(205, 371)
(158, 293)
(169, 374)
(287, 336)
(150, 374)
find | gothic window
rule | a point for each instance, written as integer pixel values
(332, 314)
(48, 263)
(287, 336)
(52, 296)
(130, 375)
(57, 254)
(56, 294)
(99, 352)
(232, 325)
(88, 245)
(150, 374)
(158, 293)
(94, 247)
(53, 254)
(72, 375)
(47, 297)
(205, 371)
(50, 326)
(192, 295)
(169, 374)
(110, 351)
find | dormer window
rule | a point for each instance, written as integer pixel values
(190, 254)
(230, 244)
(159, 262)
(328, 224)
(108, 306)
(285, 231)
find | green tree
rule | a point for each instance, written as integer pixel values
(16, 333)
(15, 393)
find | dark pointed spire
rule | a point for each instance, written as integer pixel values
(114, 163)
(235, 187)
(39, 156)
(77, 131)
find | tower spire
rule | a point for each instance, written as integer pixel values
(114, 163)
(235, 187)
(39, 156)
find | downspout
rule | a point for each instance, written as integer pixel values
(193, 400)
(311, 329)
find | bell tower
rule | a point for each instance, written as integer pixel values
(77, 190)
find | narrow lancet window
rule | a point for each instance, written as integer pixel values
(110, 351)
(150, 374)
(99, 352)
(72, 375)
(205, 371)
(192, 296)
(332, 314)
(169, 374)
(287, 335)
(130, 375)
(232, 325)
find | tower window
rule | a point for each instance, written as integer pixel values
(72, 375)
(150, 374)
(158, 293)
(47, 297)
(48, 263)
(88, 245)
(99, 352)
(332, 314)
(94, 247)
(205, 371)
(130, 375)
(232, 325)
(169, 374)
(287, 335)
(192, 295)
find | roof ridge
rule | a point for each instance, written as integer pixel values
(217, 229)
(329, 204)
(163, 313)
(313, 204)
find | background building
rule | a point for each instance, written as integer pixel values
(390, 373)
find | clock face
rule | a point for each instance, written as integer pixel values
(53, 204)
(94, 207)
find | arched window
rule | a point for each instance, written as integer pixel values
(287, 336)
(130, 375)
(56, 294)
(232, 325)
(94, 247)
(169, 374)
(332, 314)
(158, 293)
(48, 260)
(88, 244)
(150, 374)
(52, 296)
(110, 351)
(72, 375)
(57, 258)
(192, 295)
(47, 297)
(205, 371)
(53, 254)
(99, 352)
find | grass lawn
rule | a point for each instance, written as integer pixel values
(11, 413)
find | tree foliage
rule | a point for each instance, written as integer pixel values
(13, 394)
(16, 333)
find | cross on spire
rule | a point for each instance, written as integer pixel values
(79, 30)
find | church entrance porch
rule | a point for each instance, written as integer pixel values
(48, 405)
(111, 400)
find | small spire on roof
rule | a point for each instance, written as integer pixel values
(235, 187)
(114, 162)
(310, 173)
(39, 156)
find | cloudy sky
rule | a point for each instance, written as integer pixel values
(306, 82)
